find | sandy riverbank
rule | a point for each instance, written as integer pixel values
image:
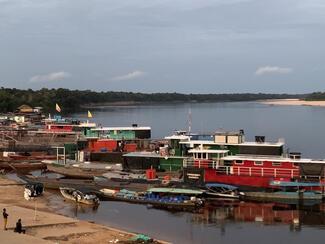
(44, 226)
(293, 102)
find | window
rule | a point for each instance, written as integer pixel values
(239, 162)
(276, 164)
(258, 163)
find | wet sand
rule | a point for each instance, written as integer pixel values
(293, 102)
(43, 226)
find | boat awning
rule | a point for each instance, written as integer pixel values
(230, 187)
(121, 128)
(175, 191)
(214, 151)
(294, 184)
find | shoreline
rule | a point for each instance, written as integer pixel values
(46, 225)
(293, 102)
(98, 106)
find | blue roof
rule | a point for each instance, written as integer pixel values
(294, 184)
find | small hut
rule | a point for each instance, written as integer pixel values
(25, 109)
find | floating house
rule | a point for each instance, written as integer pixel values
(119, 133)
(158, 161)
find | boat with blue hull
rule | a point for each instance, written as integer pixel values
(174, 199)
(290, 192)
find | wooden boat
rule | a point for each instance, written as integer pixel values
(56, 183)
(93, 185)
(78, 196)
(158, 198)
(22, 166)
(18, 157)
(215, 190)
(289, 192)
(73, 172)
(298, 197)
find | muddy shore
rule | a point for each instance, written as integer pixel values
(42, 223)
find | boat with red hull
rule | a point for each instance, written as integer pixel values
(228, 159)
(252, 171)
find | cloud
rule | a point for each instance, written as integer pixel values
(265, 70)
(129, 76)
(55, 76)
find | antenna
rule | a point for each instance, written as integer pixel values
(189, 120)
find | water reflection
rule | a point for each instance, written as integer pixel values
(219, 213)
(221, 220)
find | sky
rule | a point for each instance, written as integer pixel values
(188, 46)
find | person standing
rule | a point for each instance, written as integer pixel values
(5, 218)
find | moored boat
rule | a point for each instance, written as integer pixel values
(299, 197)
(78, 196)
(251, 172)
(75, 173)
(22, 166)
(164, 198)
(215, 190)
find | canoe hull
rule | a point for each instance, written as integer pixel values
(65, 193)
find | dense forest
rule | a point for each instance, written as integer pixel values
(316, 96)
(75, 100)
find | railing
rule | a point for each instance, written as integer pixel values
(273, 172)
(242, 170)
(187, 163)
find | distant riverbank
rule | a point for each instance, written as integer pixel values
(293, 102)
(71, 101)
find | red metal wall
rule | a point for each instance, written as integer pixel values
(130, 147)
(59, 128)
(102, 145)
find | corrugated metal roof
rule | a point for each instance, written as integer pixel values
(261, 144)
(175, 190)
(121, 128)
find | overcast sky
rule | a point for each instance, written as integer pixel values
(164, 45)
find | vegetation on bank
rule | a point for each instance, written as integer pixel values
(76, 100)
(315, 96)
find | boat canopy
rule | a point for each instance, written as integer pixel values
(175, 191)
(230, 187)
(295, 184)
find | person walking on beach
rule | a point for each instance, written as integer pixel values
(5, 218)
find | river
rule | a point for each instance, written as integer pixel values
(302, 127)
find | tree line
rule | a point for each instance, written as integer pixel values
(77, 100)
(315, 96)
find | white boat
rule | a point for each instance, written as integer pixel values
(215, 190)
(79, 197)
